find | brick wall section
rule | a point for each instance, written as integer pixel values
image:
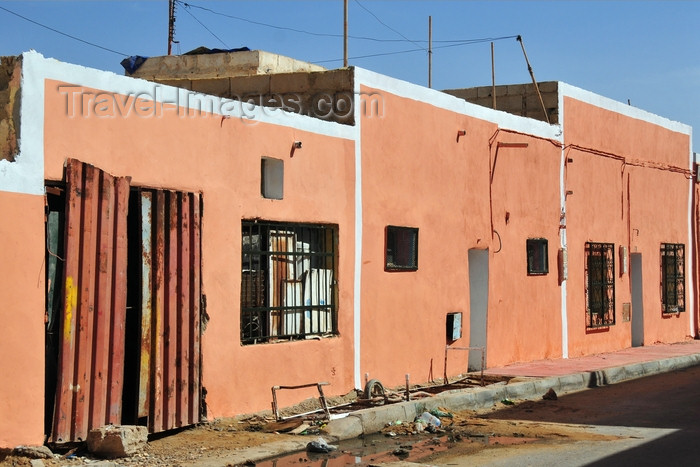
(10, 80)
(517, 99)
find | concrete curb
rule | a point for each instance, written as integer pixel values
(372, 420)
(369, 421)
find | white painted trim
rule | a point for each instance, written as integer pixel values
(26, 173)
(597, 100)
(562, 233)
(690, 293)
(445, 101)
(357, 285)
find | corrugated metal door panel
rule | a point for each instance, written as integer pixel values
(91, 351)
(173, 301)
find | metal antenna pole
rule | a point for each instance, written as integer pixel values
(171, 25)
(493, 76)
(532, 75)
(345, 34)
(430, 51)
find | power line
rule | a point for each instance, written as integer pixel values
(63, 33)
(386, 25)
(467, 42)
(187, 9)
(320, 34)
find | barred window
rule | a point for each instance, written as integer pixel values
(537, 256)
(672, 277)
(401, 248)
(288, 281)
(600, 284)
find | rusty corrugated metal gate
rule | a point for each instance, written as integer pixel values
(91, 352)
(169, 392)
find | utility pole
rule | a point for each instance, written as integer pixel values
(345, 34)
(430, 51)
(171, 25)
(534, 81)
(493, 76)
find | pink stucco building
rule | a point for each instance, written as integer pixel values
(177, 245)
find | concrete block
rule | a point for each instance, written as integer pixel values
(651, 368)
(548, 86)
(573, 382)
(373, 420)
(545, 384)
(36, 463)
(117, 441)
(522, 390)
(344, 428)
(618, 374)
(483, 91)
(510, 104)
(213, 86)
(517, 89)
(463, 400)
(486, 397)
(178, 83)
(241, 86)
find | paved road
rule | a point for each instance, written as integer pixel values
(657, 418)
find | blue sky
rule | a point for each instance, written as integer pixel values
(644, 51)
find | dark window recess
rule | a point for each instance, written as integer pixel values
(600, 284)
(672, 277)
(401, 248)
(537, 256)
(288, 281)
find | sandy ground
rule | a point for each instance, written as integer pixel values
(466, 432)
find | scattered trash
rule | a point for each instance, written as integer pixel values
(440, 412)
(507, 402)
(550, 395)
(391, 434)
(430, 419)
(320, 445)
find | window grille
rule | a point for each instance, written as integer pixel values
(288, 281)
(401, 248)
(537, 256)
(600, 284)
(672, 277)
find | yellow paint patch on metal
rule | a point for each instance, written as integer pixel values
(71, 303)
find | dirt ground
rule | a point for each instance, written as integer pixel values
(468, 431)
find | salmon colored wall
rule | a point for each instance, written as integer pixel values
(525, 310)
(221, 158)
(593, 127)
(416, 174)
(659, 213)
(632, 195)
(22, 314)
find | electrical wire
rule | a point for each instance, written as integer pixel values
(319, 34)
(63, 33)
(187, 10)
(470, 42)
(386, 25)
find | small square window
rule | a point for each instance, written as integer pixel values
(272, 178)
(401, 248)
(537, 257)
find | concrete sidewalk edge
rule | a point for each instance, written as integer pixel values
(372, 420)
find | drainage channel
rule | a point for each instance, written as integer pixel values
(381, 449)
